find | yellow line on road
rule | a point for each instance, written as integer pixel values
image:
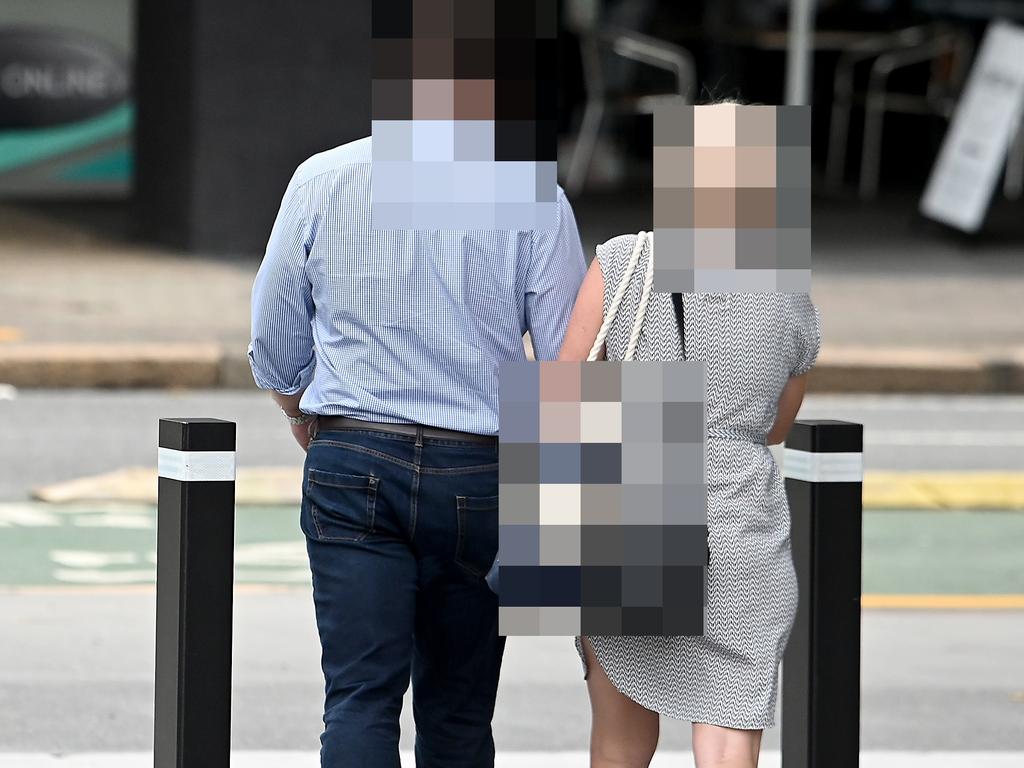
(943, 490)
(868, 601)
(281, 485)
(1010, 601)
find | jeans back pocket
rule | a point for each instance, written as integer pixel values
(341, 506)
(477, 544)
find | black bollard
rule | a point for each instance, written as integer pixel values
(194, 573)
(823, 466)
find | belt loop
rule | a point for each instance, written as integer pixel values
(419, 435)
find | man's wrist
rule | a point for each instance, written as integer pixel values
(298, 418)
(288, 403)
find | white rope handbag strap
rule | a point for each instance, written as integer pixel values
(620, 291)
(641, 312)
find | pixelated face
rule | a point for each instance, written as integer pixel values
(732, 199)
(603, 498)
(464, 114)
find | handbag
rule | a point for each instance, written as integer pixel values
(492, 577)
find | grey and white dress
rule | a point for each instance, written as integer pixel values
(751, 344)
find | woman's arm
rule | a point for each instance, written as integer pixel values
(789, 405)
(587, 314)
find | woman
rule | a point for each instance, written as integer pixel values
(757, 348)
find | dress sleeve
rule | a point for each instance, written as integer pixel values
(612, 256)
(807, 330)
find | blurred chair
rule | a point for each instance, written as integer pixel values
(596, 40)
(948, 51)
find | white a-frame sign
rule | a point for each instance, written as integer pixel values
(985, 122)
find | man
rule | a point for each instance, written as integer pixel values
(392, 340)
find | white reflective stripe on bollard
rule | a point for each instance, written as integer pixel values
(823, 467)
(195, 465)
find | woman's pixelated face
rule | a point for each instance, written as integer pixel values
(732, 198)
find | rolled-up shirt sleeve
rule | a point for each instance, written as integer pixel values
(556, 272)
(281, 352)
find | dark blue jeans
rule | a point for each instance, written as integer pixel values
(400, 532)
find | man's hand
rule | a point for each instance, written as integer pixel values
(301, 434)
(290, 405)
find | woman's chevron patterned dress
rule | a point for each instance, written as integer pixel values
(752, 343)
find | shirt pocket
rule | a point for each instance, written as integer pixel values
(341, 507)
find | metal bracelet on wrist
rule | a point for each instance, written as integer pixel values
(302, 418)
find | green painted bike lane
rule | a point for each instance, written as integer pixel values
(114, 544)
(905, 552)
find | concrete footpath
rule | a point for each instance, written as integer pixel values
(905, 306)
(768, 759)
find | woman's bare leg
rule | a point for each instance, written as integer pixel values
(623, 734)
(715, 746)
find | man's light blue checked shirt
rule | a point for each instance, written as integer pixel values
(401, 325)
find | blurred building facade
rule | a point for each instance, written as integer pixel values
(194, 114)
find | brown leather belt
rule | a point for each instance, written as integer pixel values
(325, 423)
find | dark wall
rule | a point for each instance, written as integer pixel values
(232, 95)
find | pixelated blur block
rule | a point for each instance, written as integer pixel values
(603, 498)
(465, 114)
(732, 198)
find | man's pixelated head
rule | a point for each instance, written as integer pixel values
(732, 198)
(464, 114)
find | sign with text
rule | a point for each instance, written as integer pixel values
(66, 109)
(986, 120)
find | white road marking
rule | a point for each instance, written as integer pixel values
(904, 402)
(36, 514)
(950, 438)
(116, 520)
(81, 558)
(580, 759)
(96, 576)
(26, 516)
(91, 567)
(280, 576)
(73, 508)
(282, 554)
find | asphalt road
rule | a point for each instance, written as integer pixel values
(52, 435)
(76, 674)
(76, 665)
